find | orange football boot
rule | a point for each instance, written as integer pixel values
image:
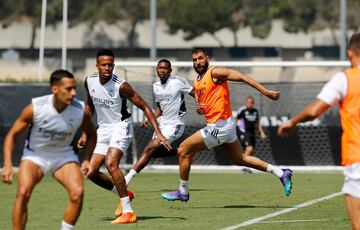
(125, 218)
(118, 210)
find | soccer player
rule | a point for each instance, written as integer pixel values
(170, 110)
(53, 120)
(343, 88)
(247, 120)
(107, 94)
(213, 99)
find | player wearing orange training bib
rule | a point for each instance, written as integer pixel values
(215, 95)
(343, 88)
(213, 101)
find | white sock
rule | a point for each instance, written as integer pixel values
(114, 190)
(184, 187)
(126, 205)
(132, 173)
(274, 170)
(66, 226)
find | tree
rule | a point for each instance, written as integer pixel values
(24, 10)
(308, 15)
(30, 10)
(112, 11)
(198, 17)
(258, 16)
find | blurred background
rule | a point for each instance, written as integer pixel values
(293, 46)
(232, 30)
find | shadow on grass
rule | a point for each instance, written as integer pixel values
(146, 218)
(168, 190)
(159, 217)
(191, 190)
(255, 206)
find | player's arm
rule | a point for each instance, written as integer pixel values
(89, 102)
(199, 107)
(89, 106)
(89, 130)
(261, 130)
(332, 92)
(21, 123)
(158, 113)
(311, 112)
(226, 74)
(192, 93)
(127, 91)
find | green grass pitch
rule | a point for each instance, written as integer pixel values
(217, 200)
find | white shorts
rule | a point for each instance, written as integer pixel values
(171, 132)
(352, 180)
(117, 136)
(49, 162)
(223, 131)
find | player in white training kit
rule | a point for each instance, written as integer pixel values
(170, 110)
(107, 94)
(53, 120)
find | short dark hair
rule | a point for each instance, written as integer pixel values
(354, 43)
(199, 49)
(59, 74)
(105, 52)
(250, 97)
(164, 60)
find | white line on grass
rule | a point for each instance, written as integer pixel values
(296, 207)
(291, 221)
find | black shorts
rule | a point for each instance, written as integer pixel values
(246, 139)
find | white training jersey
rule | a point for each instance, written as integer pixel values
(170, 96)
(51, 131)
(335, 90)
(110, 106)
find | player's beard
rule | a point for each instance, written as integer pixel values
(201, 69)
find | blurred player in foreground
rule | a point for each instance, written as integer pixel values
(213, 101)
(107, 94)
(343, 88)
(170, 110)
(53, 120)
(247, 121)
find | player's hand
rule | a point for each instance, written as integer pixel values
(7, 174)
(144, 123)
(87, 169)
(200, 109)
(273, 95)
(163, 141)
(286, 128)
(262, 135)
(81, 142)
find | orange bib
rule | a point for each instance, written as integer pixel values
(350, 119)
(215, 96)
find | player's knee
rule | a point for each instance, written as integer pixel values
(76, 194)
(148, 152)
(183, 151)
(24, 193)
(111, 164)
